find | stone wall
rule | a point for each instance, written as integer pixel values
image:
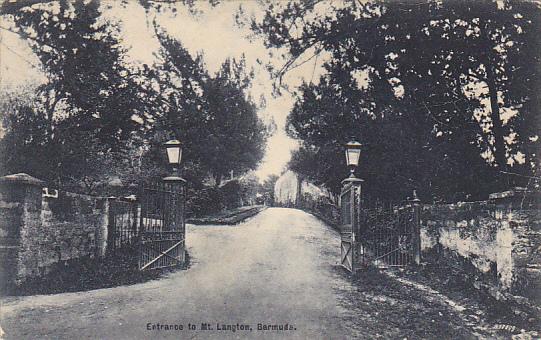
(39, 230)
(498, 241)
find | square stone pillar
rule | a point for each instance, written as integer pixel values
(20, 216)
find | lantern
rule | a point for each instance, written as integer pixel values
(353, 153)
(174, 152)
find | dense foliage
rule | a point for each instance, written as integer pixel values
(100, 119)
(80, 122)
(443, 95)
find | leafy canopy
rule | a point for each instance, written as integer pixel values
(443, 95)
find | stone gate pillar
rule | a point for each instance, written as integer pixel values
(416, 229)
(20, 215)
(350, 228)
(177, 208)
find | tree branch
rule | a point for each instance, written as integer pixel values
(11, 7)
(26, 36)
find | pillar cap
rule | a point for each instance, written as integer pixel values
(352, 180)
(22, 178)
(174, 179)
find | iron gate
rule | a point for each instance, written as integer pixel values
(123, 228)
(389, 237)
(163, 229)
(383, 237)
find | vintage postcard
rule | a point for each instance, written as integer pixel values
(258, 169)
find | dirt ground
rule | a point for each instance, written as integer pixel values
(279, 267)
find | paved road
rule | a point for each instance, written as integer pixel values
(280, 267)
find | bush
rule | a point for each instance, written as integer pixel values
(232, 194)
(204, 201)
(322, 207)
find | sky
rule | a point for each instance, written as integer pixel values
(213, 31)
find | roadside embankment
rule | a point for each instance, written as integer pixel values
(232, 216)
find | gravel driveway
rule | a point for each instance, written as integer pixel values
(278, 272)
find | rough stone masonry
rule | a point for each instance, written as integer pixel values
(39, 230)
(498, 239)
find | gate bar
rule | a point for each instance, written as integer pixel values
(163, 254)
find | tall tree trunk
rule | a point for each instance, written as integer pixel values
(497, 125)
(298, 198)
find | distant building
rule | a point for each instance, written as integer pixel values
(289, 190)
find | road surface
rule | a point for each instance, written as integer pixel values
(278, 268)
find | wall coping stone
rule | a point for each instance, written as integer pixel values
(507, 194)
(22, 178)
(529, 198)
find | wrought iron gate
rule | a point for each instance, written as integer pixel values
(163, 229)
(383, 237)
(389, 237)
(123, 229)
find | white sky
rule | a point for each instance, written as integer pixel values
(212, 32)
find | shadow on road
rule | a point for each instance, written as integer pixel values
(91, 273)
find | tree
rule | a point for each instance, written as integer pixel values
(267, 188)
(236, 133)
(175, 86)
(250, 187)
(214, 116)
(91, 106)
(99, 118)
(406, 70)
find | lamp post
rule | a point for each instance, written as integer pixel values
(174, 156)
(350, 201)
(174, 183)
(353, 153)
(175, 208)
